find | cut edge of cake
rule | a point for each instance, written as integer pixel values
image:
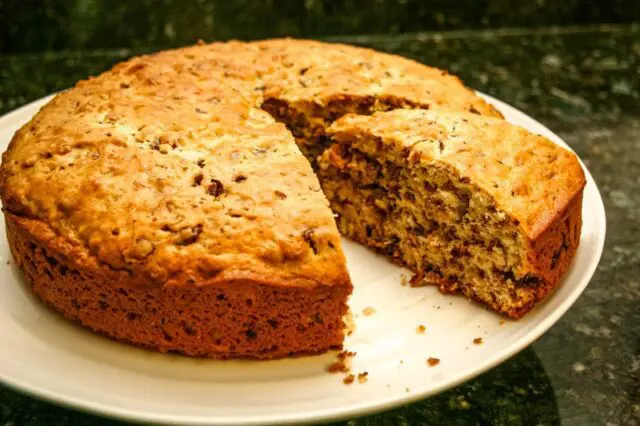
(472, 204)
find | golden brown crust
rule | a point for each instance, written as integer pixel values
(169, 219)
(549, 256)
(316, 73)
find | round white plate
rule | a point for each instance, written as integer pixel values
(49, 357)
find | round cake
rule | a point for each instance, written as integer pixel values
(171, 202)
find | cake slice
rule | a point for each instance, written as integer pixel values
(470, 203)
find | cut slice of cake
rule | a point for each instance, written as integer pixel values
(473, 204)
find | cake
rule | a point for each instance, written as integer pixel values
(171, 202)
(472, 204)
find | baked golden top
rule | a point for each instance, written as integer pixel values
(166, 167)
(531, 178)
(302, 70)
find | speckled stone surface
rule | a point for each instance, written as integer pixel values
(85, 24)
(583, 83)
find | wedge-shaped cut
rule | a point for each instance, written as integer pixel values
(473, 204)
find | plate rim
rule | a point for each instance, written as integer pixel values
(353, 410)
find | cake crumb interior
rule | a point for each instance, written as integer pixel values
(441, 226)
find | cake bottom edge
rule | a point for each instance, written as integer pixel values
(240, 319)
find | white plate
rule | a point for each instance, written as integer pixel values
(47, 356)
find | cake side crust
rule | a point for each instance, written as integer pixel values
(551, 254)
(229, 318)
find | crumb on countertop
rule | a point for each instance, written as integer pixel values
(349, 379)
(368, 311)
(502, 322)
(477, 340)
(362, 377)
(403, 280)
(421, 329)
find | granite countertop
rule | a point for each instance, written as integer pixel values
(583, 83)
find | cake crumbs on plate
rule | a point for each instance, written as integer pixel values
(404, 280)
(346, 354)
(343, 364)
(338, 367)
(407, 390)
(349, 379)
(349, 323)
(477, 340)
(368, 311)
(433, 361)
(502, 322)
(417, 280)
(362, 377)
(421, 329)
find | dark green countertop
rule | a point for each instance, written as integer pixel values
(583, 83)
(87, 24)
